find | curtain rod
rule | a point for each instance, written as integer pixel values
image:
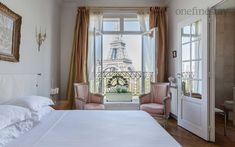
(122, 7)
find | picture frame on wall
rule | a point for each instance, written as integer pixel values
(10, 34)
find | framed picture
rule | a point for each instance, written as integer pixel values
(10, 27)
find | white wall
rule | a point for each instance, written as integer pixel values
(44, 13)
(68, 16)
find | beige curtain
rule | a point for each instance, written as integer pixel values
(158, 19)
(78, 65)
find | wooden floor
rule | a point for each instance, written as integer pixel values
(187, 139)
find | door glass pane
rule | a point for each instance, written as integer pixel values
(196, 50)
(185, 39)
(186, 30)
(186, 52)
(186, 87)
(197, 89)
(186, 67)
(197, 69)
(111, 24)
(196, 30)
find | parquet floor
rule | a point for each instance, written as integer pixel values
(187, 139)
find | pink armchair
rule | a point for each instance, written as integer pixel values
(157, 102)
(85, 100)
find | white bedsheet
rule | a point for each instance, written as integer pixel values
(96, 129)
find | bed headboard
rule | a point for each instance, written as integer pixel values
(17, 85)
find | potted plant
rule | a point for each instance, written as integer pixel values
(119, 94)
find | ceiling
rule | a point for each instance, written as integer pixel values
(227, 4)
(117, 3)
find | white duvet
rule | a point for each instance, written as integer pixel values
(96, 129)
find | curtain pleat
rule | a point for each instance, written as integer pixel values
(158, 19)
(78, 65)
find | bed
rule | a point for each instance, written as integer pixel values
(74, 128)
(96, 129)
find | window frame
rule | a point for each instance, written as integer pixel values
(120, 16)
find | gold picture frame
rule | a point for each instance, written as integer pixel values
(10, 34)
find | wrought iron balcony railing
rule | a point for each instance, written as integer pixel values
(135, 81)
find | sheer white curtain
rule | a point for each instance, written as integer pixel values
(148, 44)
(96, 21)
(143, 17)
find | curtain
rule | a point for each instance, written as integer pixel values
(143, 18)
(158, 19)
(78, 65)
(96, 22)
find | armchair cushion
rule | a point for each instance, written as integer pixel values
(153, 108)
(93, 106)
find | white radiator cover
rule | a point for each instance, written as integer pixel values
(174, 100)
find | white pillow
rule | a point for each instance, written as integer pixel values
(11, 132)
(34, 103)
(37, 116)
(12, 114)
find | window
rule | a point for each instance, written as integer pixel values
(121, 24)
(120, 48)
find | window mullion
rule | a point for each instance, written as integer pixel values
(121, 24)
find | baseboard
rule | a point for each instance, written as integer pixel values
(173, 116)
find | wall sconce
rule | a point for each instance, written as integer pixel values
(40, 38)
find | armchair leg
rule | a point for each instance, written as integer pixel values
(166, 121)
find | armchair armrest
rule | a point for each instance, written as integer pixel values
(79, 103)
(145, 98)
(97, 98)
(80, 99)
(165, 99)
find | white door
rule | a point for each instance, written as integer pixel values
(193, 76)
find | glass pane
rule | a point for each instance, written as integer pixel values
(197, 69)
(185, 67)
(196, 50)
(186, 52)
(131, 24)
(196, 30)
(185, 39)
(186, 87)
(197, 89)
(111, 24)
(186, 30)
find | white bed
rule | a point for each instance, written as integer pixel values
(96, 129)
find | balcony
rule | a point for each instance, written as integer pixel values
(137, 82)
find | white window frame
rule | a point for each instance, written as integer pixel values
(120, 16)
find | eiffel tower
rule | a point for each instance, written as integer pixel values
(117, 59)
